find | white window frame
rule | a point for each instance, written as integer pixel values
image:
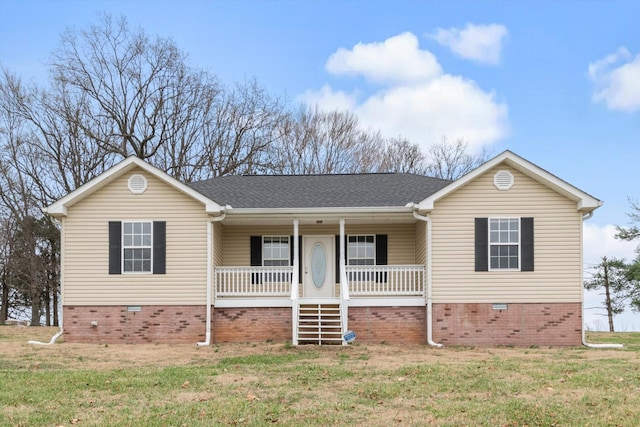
(509, 243)
(373, 257)
(133, 246)
(288, 258)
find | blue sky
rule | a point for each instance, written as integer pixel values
(556, 82)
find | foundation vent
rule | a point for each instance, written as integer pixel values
(137, 184)
(503, 180)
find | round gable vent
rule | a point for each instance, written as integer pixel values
(137, 184)
(503, 180)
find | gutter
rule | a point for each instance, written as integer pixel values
(207, 336)
(429, 281)
(584, 337)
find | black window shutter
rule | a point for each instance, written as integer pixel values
(256, 251)
(381, 249)
(381, 256)
(256, 257)
(482, 244)
(526, 239)
(115, 247)
(159, 247)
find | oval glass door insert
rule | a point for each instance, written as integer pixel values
(318, 265)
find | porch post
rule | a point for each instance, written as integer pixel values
(295, 279)
(344, 286)
(296, 259)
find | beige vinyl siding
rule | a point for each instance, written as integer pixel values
(557, 244)
(400, 239)
(87, 281)
(421, 243)
(217, 243)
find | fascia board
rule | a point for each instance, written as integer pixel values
(584, 201)
(59, 208)
(319, 210)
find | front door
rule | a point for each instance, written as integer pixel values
(317, 269)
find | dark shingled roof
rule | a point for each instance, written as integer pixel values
(311, 191)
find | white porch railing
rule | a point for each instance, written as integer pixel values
(387, 280)
(363, 281)
(253, 281)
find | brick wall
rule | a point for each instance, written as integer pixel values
(251, 324)
(152, 324)
(558, 324)
(454, 324)
(393, 325)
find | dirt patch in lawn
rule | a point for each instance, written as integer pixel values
(14, 349)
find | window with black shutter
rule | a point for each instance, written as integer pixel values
(504, 244)
(137, 247)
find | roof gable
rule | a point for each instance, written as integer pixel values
(584, 202)
(59, 208)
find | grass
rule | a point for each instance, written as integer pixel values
(277, 384)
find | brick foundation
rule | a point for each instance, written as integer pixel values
(558, 324)
(152, 324)
(393, 325)
(251, 324)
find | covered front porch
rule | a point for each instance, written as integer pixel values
(327, 273)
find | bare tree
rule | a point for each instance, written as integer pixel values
(240, 131)
(128, 80)
(451, 160)
(320, 142)
(401, 156)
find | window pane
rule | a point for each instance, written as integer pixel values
(128, 265)
(494, 263)
(146, 265)
(504, 237)
(513, 237)
(146, 240)
(351, 253)
(514, 224)
(137, 227)
(128, 227)
(495, 237)
(127, 240)
(146, 227)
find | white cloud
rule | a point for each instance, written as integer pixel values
(328, 99)
(396, 60)
(601, 241)
(480, 43)
(616, 78)
(419, 102)
(449, 106)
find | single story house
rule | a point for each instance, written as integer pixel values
(492, 258)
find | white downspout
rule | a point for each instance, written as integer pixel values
(62, 239)
(207, 337)
(584, 335)
(429, 282)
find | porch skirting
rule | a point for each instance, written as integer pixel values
(251, 324)
(541, 324)
(170, 324)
